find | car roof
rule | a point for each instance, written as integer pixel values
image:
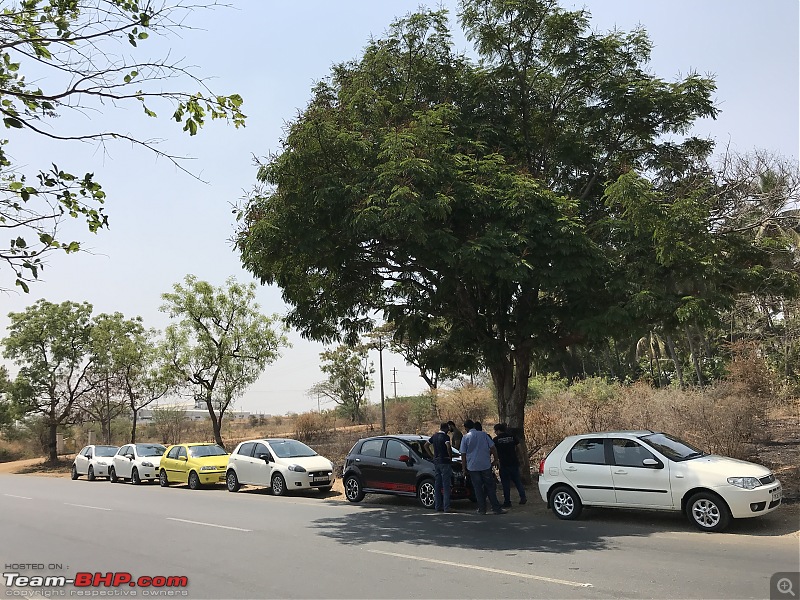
(605, 434)
(408, 437)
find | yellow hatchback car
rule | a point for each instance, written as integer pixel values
(195, 464)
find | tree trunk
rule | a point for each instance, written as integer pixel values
(52, 444)
(510, 378)
(675, 361)
(134, 418)
(216, 423)
(695, 359)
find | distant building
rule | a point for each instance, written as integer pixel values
(196, 412)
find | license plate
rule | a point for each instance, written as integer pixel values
(777, 494)
(321, 480)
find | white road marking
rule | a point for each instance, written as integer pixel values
(86, 506)
(13, 496)
(207, 524)
(486, 569)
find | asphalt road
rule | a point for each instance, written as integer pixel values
(254, 545)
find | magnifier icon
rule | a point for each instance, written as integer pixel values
(784, 586)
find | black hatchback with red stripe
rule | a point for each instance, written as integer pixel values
(401, 465)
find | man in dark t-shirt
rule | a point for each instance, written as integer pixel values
(443, 464)
(506, 444)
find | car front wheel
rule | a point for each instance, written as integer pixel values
(565, 503)
(162, 478)
(231, 481)
(708, 512)
(194, 481)
(135, 480)
(352, 489)
(112, 475)
(74, 472)
(278, 485)
(90, 476)
(426, 493)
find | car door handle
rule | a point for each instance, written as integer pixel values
(570, 468)
(383, 464)
(358, 460)
(621, 472)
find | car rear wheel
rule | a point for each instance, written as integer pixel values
(135, 480)
(231, 481)
(162, 478)
(90, 476)
(708, 512)
(353, 490)
(74, 474)
(112, 475)
(565, 503)
(194, 481)
(426, 493)
(278, 485)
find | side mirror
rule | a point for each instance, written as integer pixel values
(265, 457)
(652, 463)
(404, 458)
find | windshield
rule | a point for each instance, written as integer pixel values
(105, 450)
(210, 450)
(672, 447)
(150, 449)
(290, 449)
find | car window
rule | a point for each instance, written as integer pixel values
(88, 453)
(105, 450)
(83, 451)
(122, 451)
(206, 450)
(290, 449)
(181, 452)
(395, 449)
(149, 449)
(173, 453)
(371, 447)
(421, 448)
(672, 447)
(589, 451)
(246, 449)
(628, 453)
(260, 449)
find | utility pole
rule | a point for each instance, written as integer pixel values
(394, 381)
(379, 346)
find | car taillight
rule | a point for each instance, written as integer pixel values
(541, 467)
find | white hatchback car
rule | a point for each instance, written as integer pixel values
(281, 464)
(137, 462)
(643, 469)
(93, 461)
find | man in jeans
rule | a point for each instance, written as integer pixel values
(506, 444)
(477, 452)
(443, 464)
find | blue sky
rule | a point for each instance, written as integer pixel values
(165, 224)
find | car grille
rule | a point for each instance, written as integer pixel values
(774, 503)
(319, 474)
(767, 480)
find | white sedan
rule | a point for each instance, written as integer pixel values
(643, 469)
(281, 464)
(136, 462)
(93, 461)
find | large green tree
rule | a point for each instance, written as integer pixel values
(51, 344)
(84, 56)
(220, 343)
(426, 186)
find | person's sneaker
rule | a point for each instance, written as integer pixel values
(523, 500)
(499, 512)
(481, 512)
(508, 504)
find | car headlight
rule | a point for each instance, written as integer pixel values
(147, 464)
(297, 468)
(748, 483)
(209, 468)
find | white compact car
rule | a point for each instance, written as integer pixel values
(281, 464)
(136, 462)
(643, 469)
(93, 461)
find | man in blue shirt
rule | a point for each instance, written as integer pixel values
(443, 465)
(477, 452)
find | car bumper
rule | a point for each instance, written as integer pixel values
(100, 470)
(305, 481)
(752, 503)
(148, 473)
(209, 477)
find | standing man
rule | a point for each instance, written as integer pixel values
(457, 435)
(477, 452)
(443, 464)
(506, 444)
